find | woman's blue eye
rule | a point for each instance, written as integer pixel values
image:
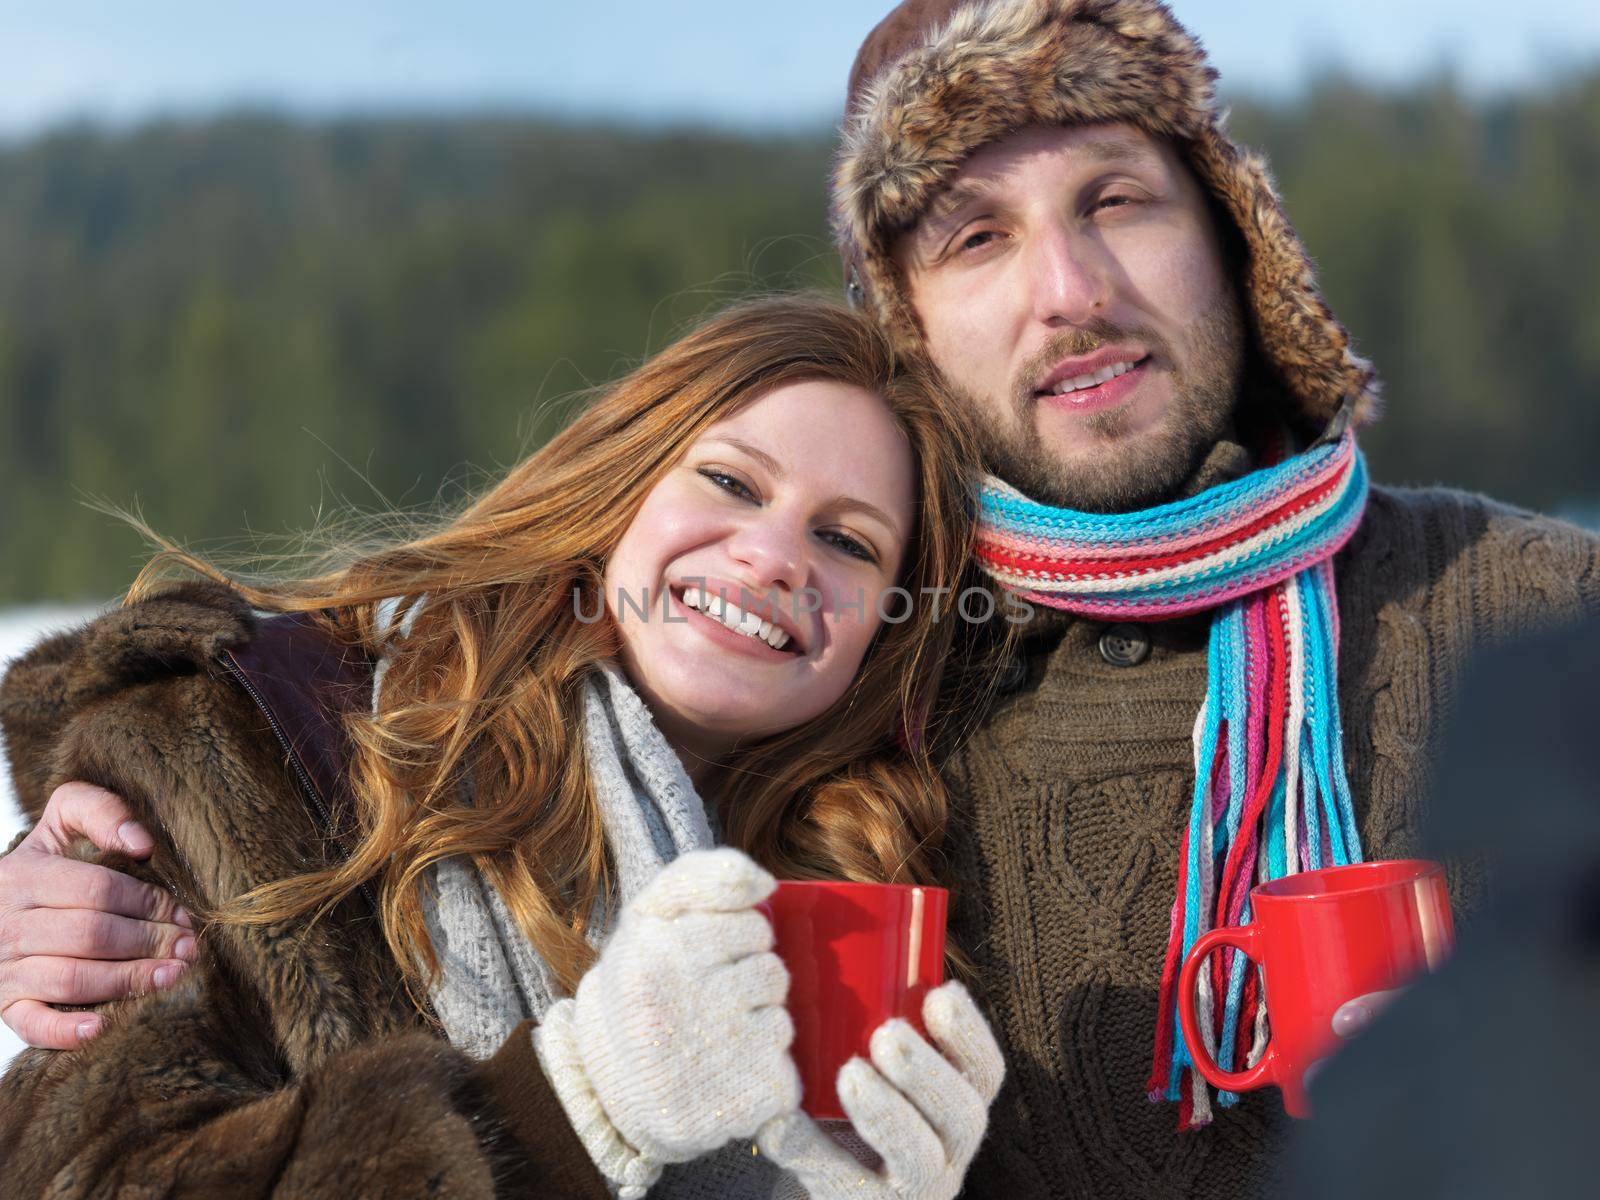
(728, 483)
(848, 544)
(735, 486)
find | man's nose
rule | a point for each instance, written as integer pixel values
(771, 549)
(1068, 276)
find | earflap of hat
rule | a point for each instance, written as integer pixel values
(875, 282)
(1295, 331)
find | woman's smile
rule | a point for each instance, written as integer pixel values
(727, 626)
(768, 546)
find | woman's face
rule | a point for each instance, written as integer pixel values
(747, 588)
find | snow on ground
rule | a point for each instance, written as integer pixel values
(20, 628)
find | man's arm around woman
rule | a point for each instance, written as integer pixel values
(288, 1061)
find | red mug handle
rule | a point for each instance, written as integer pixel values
(1241, 938)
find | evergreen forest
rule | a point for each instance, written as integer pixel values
(243, 323)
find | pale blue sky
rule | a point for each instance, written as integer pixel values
(737, 62)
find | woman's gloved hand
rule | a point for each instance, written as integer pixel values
(921, 1107)
(677, 1040)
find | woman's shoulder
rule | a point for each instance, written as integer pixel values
(170, 632)
(190, 681)
(170, 635)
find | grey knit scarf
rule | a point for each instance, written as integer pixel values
(491, 978)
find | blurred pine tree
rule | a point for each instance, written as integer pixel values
(238, 322)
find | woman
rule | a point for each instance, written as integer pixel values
(699, 565)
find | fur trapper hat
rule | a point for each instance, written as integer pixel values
(937, 79)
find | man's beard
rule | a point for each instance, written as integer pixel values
(1129, 471)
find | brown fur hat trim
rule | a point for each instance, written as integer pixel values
(937, 79)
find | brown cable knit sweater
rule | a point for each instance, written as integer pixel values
(1072, 797)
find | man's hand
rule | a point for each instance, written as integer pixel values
(75, 933)
(1354, 1016)
(1351, 1019)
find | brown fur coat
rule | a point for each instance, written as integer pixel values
(288, 1061)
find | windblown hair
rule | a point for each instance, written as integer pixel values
(474, 749)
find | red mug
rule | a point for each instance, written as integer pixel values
(1322, 938)
(858, 954)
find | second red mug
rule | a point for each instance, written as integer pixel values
(1322, 938)
(858, 954)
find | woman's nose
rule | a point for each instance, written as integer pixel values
(771, 548)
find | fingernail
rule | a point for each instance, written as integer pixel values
(166, 976)
(88, 1028)
(184, 949)
(180, 916)
(1351, 1020)
(133, 837)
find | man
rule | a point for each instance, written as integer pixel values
(1039, 196)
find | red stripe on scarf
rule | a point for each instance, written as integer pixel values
(1230, 896)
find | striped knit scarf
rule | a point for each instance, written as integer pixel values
(1270, 794)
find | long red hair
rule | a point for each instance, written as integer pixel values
(484, 684)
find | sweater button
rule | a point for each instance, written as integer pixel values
(1125, 645)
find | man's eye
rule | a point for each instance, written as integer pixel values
(728, 483)
(976, 241)
(1116, 200)
(848, 544)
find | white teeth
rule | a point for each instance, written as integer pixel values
(1095, 380)
(735, 618)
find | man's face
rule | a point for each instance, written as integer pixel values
(1072, 286)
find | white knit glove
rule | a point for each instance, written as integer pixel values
(923, 1110)
(677, 1039)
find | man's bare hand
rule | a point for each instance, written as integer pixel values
(75, 933)
(1356, 1016)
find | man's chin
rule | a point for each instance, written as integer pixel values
(1113, 490)
(1106, 472)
